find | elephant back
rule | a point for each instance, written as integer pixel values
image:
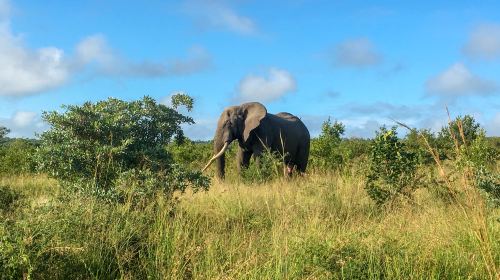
(287, 116)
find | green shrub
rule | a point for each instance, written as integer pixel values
(90, 147)
(324, 152)
(478, 159)
(191, 154)
(413, 143)
(17, 157)
(7, 197)
(354, 148)
(455, 133)
(392, 168)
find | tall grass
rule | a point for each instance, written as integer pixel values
(322, 226)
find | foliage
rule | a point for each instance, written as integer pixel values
(191, 154)
(3, 131)
(393, 168)
(354, 148)
(269, 166)
(17, 156)
(477, 159)
(324, 151)
(456, 132)
(136, 186)
(413, 143)
(7, 197)
(88, 147)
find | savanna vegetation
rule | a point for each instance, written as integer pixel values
(113, 191)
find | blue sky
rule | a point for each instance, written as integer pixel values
(359, 62)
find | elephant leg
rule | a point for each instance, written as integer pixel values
(302, 158)
(243, 159)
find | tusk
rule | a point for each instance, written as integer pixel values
(224, 148)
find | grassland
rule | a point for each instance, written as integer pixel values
(322, 226)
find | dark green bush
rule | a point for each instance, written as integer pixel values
(90, 147)
(191, 154)
(7, 197)
(393, 169)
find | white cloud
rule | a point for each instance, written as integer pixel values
(484, 42)
(216, 14)
(359, 52)
(458, 80)
(23, 118)
(24, 71)
(257, 88)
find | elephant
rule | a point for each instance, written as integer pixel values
(257, 131)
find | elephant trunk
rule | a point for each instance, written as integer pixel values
(220, 162)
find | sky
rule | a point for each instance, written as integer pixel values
(364, 63)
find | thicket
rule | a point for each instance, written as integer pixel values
(109, 148)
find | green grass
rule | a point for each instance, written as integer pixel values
(323, 226)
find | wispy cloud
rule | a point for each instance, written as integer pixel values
(5, 9)
(95, 51)
(357, 53)
(457, 80)
(218, 15)
(260, 88)
(484, 42)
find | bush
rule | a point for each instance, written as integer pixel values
(90, 147)
(477, 159)
(7, 197)
(460, 131)
(17, 157)
(413, 143)
(191, 154)
(392, 168)
(354, 148)
(325, 152)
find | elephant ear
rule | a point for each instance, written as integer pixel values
(253, 113)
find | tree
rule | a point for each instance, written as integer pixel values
(94, 146)
(456, 132)
(3, 132)
(324, 151)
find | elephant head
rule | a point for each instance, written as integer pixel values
(235, 122)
